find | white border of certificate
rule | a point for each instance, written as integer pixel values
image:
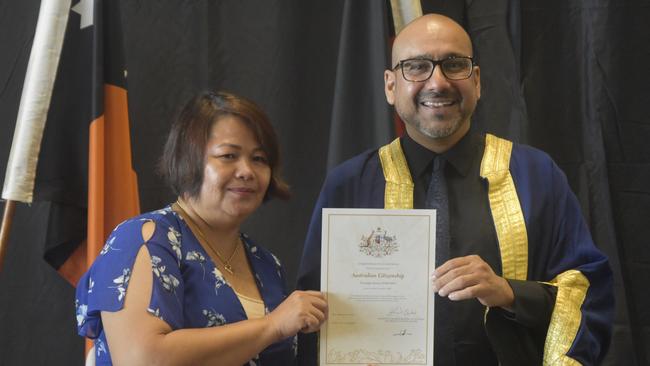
(375, 270)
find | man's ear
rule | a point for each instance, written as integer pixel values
(389, 86)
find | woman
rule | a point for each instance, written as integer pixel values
(182, 285)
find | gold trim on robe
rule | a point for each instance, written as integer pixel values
(572, 288)
(511, 233)
(399, 184)
(506, 209)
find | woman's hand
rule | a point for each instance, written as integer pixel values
(302, 311)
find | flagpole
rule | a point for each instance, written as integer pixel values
(7, 219)
(32, 112)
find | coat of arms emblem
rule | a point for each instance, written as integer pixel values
(379, 243)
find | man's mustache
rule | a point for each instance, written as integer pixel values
(431, 95)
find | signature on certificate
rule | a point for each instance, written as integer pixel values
(402, 332)
(400, 311)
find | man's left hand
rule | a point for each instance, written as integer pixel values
(470, 277)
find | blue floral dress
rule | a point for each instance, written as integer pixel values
(188, 290)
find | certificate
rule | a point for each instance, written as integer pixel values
(375, 270)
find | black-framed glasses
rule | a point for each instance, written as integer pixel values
(421, 69)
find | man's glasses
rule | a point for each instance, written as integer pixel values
(421, 69)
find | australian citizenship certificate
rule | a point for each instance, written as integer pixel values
(375, 271)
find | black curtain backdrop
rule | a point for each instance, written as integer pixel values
(569, 77)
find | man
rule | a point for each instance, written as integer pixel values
(522, 282)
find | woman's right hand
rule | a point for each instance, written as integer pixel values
(302, 311)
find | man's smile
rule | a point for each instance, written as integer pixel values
(437, 104)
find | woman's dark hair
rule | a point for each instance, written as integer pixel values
(183, 158)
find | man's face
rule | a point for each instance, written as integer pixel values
(436, 109)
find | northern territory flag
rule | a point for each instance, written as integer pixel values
(84, 176)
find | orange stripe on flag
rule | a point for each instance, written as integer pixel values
(112, 183)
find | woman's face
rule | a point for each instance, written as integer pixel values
(236, 172)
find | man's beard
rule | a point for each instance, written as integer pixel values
(439, 125)
(436, 128)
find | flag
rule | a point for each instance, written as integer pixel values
(112, 183)
(83, 171)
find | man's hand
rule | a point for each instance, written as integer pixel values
(470, 277)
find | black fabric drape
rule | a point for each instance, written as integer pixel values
(360, 114)
(569, 77)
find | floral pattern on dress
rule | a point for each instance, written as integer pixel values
(182, 292)
(219, 281)
(277, 263)
(195, 255)
(168, 281)
(82, 313)
(254, 361)
(121, 283)
(213, 318)
(108, 246)
(254, 252)
(155, 313)
(294, 345)
(162, 211)
(99, 347)
(174, 238)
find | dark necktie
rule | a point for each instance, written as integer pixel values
(443, 330)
